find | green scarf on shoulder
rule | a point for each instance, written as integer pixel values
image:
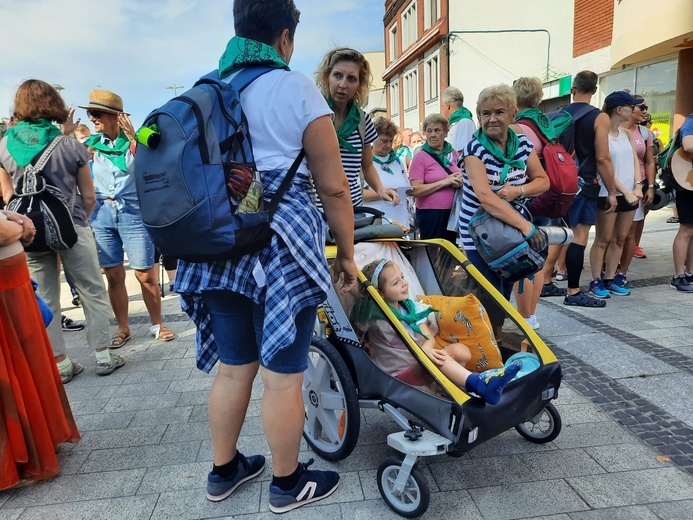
(391, 157)
(411, 317)
(116, 154)
(506, 157)
(28, 139)
(350, 124)
(460, 113)
(242, 52)
(441, 155)
(551, 130)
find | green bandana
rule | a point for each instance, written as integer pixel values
(506, 158)
(116, 154)
(411, 317)
(404, 152)
(392, 157)
(26, 140)
(350, 124)
(550, 129)
(241, 52)
(460, 113)
(442, 155)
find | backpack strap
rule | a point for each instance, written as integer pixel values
(41, 163)
(529, 123)
(240, 81)
(284, 186)
(435, 158)
(582, 112)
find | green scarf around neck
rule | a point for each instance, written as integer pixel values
(411, 317)
(242, 52)
(550, 129)
(391, 157)
(28, 139)
(350, 124)
(460, 113)
(116, 154)
(506, 158)
(441, 155)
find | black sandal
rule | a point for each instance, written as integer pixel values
(582, 300)
(551, 289)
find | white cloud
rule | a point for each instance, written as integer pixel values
(136, 48)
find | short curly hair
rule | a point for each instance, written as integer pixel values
(529, 91)
(385, 126)
(36, 99)
(502, 93)
(436, 119)
(333, 57)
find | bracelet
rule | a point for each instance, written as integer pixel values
(641, 183)
(651, 186)
(522, 192)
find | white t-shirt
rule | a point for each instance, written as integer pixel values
(395, 178)
(624, 161)
(460, 134)
(281, 124)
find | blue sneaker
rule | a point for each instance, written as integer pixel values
(313, 485)
(219, 488)
(620, 279)
(598, 290)
(616, 289)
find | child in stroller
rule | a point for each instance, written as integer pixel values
(390, 352)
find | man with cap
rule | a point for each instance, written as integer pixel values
(117, 220)
(592, 150)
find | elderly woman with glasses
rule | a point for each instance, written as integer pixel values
(344, 78)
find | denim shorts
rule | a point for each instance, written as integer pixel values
(582, 211)
(117, 227)
(237, 324)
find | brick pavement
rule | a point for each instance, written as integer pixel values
(624, 451)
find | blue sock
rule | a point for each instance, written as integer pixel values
(490, 386)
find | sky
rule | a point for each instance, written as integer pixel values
(138, 47)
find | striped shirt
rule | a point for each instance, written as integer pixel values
(493, 169)
(351, 162)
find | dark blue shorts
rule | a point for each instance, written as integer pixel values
(433, 223)
(237, 324)
(582, 211)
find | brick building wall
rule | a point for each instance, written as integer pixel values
(593, 25)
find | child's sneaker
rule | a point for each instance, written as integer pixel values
(616, 289)
(313, 485)
(598, 290)
(620, 279)
(219, 488)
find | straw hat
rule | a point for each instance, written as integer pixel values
(105, 101)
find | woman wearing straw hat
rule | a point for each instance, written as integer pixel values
(117, 219)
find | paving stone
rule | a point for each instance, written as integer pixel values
(625, 457)
(159, 352)
(199, 413)
(508, 443)
(592, 434)
(193, 398)
(466, 474)
(104, 421)
(71, 461)
(4, 496)
(191, 385)
(10, 514)
(187, 432)
(673, 393)
(634, 487)
(80, 393)
(112, 508)
(616, 513)
(250, 444)
(175, 415)
(582, 413)
(681, 510)
(144, 366)
(183, 362)
(121, 438)
(88, 406)
(140, 457)
(309, 512)
(177, 476)
(529, 499)
(560, 464)
(189, 504)
(73, 488)
(567, 395)
(370, 510)
(144, 402)
(91, 378)
(158, 375)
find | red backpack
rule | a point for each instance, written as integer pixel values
(563, 178)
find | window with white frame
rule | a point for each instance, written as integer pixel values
(431, 78)
(393, 42)
(411, 89)
(409, 26)
(394, 98)
(431, 12)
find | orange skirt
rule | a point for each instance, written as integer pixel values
(35, 415)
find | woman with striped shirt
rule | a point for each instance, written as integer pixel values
(499, 165)
(344, 77)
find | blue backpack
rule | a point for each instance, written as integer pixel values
(192, 182)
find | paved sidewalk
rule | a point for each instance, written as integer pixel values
(624, 452)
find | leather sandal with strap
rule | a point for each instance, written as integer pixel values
(120, 339)
(162, 332)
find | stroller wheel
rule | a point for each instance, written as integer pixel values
(413, 500)
(543, 427)
(332, 410)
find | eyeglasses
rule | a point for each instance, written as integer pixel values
(96, 114)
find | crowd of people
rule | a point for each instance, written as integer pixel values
(256, 314)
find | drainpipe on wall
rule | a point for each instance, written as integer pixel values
(493, 31)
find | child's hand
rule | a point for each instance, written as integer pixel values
(438, 356)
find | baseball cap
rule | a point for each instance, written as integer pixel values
(621, 98)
